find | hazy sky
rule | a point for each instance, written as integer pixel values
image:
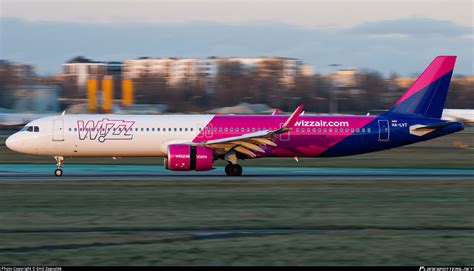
(316, 13)
(391, 36)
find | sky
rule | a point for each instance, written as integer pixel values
(390, 36)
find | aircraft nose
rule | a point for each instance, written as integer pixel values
(12, 142)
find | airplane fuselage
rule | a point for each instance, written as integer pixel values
(144, 135)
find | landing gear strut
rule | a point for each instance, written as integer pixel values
(233, 169)
(58, 172)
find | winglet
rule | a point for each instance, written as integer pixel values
(275, 112)
(291, 120)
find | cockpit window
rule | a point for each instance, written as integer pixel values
(30, 129)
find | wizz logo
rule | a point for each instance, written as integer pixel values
(105, 129)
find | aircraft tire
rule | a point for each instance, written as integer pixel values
(58, 172)
(234, 170)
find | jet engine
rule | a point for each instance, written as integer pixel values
(184, 157)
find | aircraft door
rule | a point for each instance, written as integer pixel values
(58, 130)
(384, 131)
(209, 131)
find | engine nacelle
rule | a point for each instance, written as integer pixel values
(183, 157)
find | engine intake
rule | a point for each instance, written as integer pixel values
(184, 157)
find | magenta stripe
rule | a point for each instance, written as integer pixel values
(440, 66)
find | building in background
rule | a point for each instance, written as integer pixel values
(80, 69)
(405, 82)
(177, 70)
(19, 70)
(343, 78)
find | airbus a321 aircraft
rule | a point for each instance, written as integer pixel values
(194, 142)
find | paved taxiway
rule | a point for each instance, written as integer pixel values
(76, 172)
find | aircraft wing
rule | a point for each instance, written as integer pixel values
(253, 142)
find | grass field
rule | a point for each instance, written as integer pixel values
(222, 222)
(321, 222)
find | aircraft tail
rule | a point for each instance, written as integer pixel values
(427, 95)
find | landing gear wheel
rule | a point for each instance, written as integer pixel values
(234, 170)
(227, 168)
(59, 164)
(58, 172)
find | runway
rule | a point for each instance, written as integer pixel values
(81, 172)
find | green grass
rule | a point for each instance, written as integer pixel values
(387, 222)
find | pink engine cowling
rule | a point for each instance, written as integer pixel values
(183, 157)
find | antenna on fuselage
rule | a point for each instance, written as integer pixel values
(63, 113)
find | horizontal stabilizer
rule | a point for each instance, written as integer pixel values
(420, 129)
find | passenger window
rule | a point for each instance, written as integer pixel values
(220, 129)
(185, 129)
(75, 129)
(368, 130)
(191, 129)
(152, 129)
(147, 129)
(352, 130)
(363, 130)
(175, 129)
(157, 129)
(169, 129)
(297, 129)
(358, 130)
(325, 130)
(314, 130)
(226, 129)
(319, 130)
(302, 129)
(70, 129)
(347, 130)
(231, 129)
(180, 129)
(330, 130)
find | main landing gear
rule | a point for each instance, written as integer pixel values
(59, 165)
(233, 169)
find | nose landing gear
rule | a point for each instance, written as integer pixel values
(59, 165)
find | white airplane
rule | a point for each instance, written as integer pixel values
(193, 142)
